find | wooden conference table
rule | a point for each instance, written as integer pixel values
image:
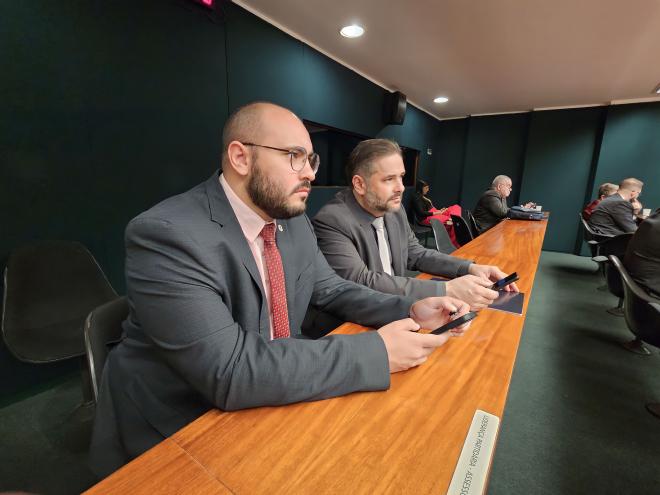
(403, 440)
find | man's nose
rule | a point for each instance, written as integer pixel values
(307, 172)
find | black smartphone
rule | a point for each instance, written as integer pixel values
(455, 323)
(503, 282)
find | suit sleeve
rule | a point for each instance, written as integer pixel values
(185, 317)
(496, 206)
(622, 214)
(431, 261)
(342, 255)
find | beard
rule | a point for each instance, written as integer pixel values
(268, 196)
(377, 204)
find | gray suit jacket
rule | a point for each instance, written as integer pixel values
(490, 210)
(348, 241)
(613, 216)
(197, 335)
(642, 258)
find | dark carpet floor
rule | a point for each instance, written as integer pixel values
(575, 420)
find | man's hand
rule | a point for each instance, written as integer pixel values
(473, 290)
(492, 273)
(433, 312)
(405, 348)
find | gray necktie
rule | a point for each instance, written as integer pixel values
(383, 248)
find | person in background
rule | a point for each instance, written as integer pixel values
(492, 206)
(604, 191)
(615, 214)
(424, 210)
(642, 259)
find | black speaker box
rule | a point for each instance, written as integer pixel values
(394, 109)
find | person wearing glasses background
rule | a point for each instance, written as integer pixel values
(219, 279)
(492, 205)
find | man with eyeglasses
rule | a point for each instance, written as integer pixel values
(492, 207)
(219, 279)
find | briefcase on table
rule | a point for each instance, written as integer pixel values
(521, 213)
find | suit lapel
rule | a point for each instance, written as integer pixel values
(223, 214)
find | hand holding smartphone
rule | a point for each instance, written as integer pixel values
(455, 323)
(500, 284)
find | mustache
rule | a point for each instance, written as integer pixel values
(304, 184)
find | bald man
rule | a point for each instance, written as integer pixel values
(219, 279)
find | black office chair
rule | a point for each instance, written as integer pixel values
(590, 237)
(614, 245)
(472, 223)
(642, 314)
(103, 329)
(49, 289)
(462, 230)
(442, 241)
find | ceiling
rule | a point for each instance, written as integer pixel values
(487, 56)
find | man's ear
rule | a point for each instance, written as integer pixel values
(238, 158)
(359, 185)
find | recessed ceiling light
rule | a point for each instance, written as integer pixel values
(352, 31)
(657, 89)
(441, 99)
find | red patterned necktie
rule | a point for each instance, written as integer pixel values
(277, 287)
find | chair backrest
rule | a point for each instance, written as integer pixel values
(613, 279)
(103, 327)
(616, 245)
(461, 229)
(473, 223)
(49, 288)
(641, 311)
(442, 241)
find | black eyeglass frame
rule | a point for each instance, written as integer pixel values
(313, 159)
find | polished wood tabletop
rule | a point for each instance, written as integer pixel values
(403, 440)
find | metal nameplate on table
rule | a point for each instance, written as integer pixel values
(472, 468)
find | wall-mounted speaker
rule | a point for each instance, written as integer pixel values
(394, 108)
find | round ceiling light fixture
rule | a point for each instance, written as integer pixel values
(441, 99)
(352, 31)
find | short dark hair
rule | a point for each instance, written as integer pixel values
(361, 159)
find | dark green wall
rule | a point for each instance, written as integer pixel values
(108, 107)
(557, 169)
(495, 145)
(631, 148)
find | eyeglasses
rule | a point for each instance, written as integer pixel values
(297, 155)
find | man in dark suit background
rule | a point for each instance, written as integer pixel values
(492, 206)
(615, 214)
(219, 279)
(642, 259)
(347, 232)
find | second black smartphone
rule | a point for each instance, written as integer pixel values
(455, 323)
(503, 282)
